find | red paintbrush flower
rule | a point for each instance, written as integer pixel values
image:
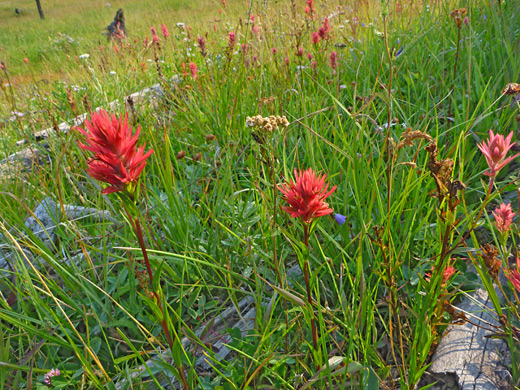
(495, 152)
(117, 161)
(514, 276)
(306, 195)
(503, 217)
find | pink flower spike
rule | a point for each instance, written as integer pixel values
(495, 152)
(232, 39)
(165, 31)
(306, 195)
(514, 276)
(503, 217)
(193, 70)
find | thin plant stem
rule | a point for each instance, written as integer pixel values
(308, 286)
(139, 233)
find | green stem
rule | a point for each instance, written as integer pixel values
(308, 286)
(139, 233)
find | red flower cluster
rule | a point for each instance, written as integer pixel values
(117, 161)
(514, 276)
(306, 195)
(495, 152)
(503, 217)
(446, 275)
(165, 31)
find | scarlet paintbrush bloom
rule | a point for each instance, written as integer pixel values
(315, 38)
(193, 70)
(333, 61)
(503, 217)
(117, 161)
(306, 195)
(495, 152)
(165, 31)
(514, 276)
(232, 39)
(446, 275)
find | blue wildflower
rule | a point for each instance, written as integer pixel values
(341, 219)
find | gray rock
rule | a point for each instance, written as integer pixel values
(465, 357)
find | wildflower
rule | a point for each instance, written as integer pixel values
(514, 276)
(202, 45)
(270, 123)
(152, 29)
(117, 161)
(286, 61)
(52, 373)
(243, 48)
(299, 53)
(3, 66)
(399, 52)
(274, 50)
(84, 56)
(495, 152)
(333, 61)
(341, 219)
(165, 31)
(232, 39)
(309, 8)
(503, 217)
(309, 56)
(193, 70)
(315, 38)
(325, 29)
(26, 60)
(446, 275)
(145, 42)
(155, 39)
(306, 195)
(314, 65)
(116, 49)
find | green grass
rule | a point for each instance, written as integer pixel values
(212, 220)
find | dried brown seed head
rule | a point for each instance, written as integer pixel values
(511, 89)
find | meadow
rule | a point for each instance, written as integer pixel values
(347, 170)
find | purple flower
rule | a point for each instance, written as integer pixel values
(399, 52)
(47, 377)
(341, 219)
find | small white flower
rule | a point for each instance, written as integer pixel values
(180, 25)
(342, 86)
(84, 56)
(112, 73)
